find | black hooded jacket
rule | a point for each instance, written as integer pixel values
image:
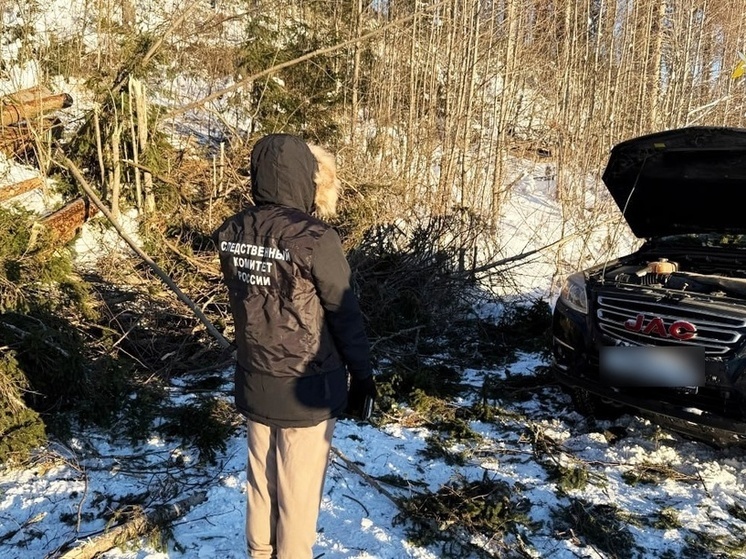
(299, 328)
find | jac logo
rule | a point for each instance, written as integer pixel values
(679, 330)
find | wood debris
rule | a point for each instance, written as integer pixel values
(23, 122)
(27, 104)
(24, 118)
(68, 220)
(12, 190)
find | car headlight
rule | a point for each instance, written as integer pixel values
(573, 293)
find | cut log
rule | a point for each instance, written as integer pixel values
(22, 120)
(21, 137)
(11, 191)
(12, 111)
(67, 222)
(26, 95)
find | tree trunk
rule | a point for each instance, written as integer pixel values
(66, 222)
(138, 526)
(13, 111)
(12, 190)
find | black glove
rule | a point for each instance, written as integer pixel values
(361, 397)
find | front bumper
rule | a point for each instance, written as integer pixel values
(716, 411)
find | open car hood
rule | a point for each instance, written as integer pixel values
(681, 181)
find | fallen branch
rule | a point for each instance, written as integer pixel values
(372, 482)
(415, 329)
(518, 257)
(150, 170)
(136, 527)
(201, 267)
(23, 334)
(452, 531)
(76, 173)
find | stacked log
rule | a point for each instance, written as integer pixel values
(12, 190)
(23, 120)
(29, 103)
(20, 138)
(67, 222)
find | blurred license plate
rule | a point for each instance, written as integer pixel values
(653, 366)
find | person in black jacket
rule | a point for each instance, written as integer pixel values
(300, 339)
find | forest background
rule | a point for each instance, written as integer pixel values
(435, 111)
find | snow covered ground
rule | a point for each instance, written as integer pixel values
(675, 496)
(61, 499)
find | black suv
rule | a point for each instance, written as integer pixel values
(663, 330)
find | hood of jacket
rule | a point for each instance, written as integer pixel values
(282, 172)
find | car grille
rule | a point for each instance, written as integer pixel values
(720, 328)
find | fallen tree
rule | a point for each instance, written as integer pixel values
(83, 183)
(139, 524)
